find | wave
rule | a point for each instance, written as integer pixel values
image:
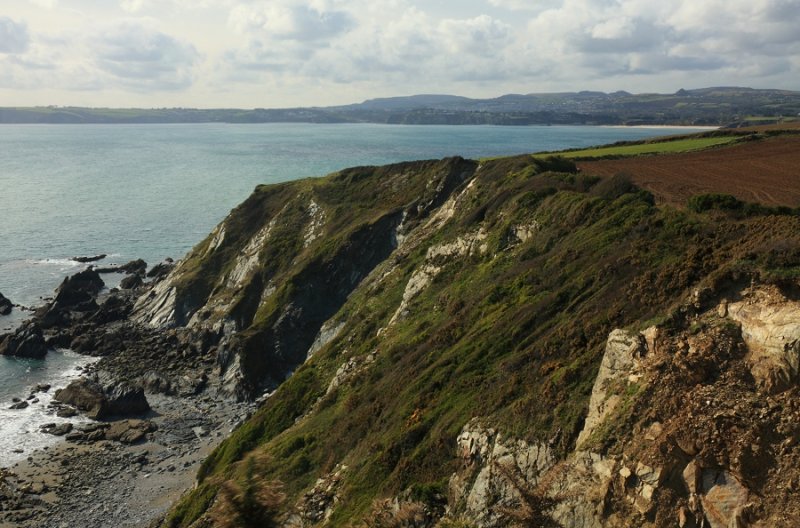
(64, 262)
(20, 429)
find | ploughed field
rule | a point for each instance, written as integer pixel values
(765, 171)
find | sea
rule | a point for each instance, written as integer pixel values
(152, 191)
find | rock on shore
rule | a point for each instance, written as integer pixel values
(99, 403)
(5, 305)
(27, 341)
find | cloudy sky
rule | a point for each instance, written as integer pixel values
(281, 53)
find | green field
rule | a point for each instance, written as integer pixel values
(678, 145)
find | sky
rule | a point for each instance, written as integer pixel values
(286, 53)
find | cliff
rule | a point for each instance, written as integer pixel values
(461, 343)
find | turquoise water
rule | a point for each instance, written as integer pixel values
(152, 191)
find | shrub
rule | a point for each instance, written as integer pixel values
(706, 202)
(555, 164)
(614, 187)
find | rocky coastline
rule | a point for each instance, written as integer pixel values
(151, 399)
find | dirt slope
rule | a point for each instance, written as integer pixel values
(765, 171)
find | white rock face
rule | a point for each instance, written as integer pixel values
(490, 463)
(248, 259)
(316, 223)
(449, 208)
(771, 330)
(621, 363)
(157, 307)
(525, 232)
(218, 235)
(349, 369)
(327, 333)
(435, 260)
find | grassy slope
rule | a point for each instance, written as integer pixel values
(661, 147)
(515, 334)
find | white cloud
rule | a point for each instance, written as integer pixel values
(291, 20)
(14, 36)
(132, 6)
(333, 51)
(524, 5)
(49, 4)
(612, 38)
(141, 57)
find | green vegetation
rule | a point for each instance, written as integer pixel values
(725, 202)
(511, 327)
(650, 147)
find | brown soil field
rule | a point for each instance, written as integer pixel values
(765, 171)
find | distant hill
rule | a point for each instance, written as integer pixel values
(715, 106)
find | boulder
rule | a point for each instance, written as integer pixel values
(723, 497)
(92, 258)
(83, 394)
(125, 399)
(79, 288)
(5, 305)
(27, 341)
(129, 431)
(57, 429)
(161, 270)
(137, 267)
(771, 330)
(131, 281)
(66, 412)
(157, 383)
(122, 399)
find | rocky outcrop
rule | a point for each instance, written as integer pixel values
(99, 403)
(771, 330)
(494, 472)
(75, 298)
(157, 308)
(5, 305)
(161, 270)
(27, 341)
(691, 465)
(131, 282)
(137, 267)
(79, 289)
(318, 504)
(436, 258)
(620, 365)
(92, 258)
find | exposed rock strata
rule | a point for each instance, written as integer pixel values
(697, 464)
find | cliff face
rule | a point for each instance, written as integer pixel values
(478, 344)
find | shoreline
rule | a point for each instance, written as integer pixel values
(659, 127)
(122, 461)
(110, 483)
(27, 422)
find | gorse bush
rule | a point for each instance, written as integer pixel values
(701, 203)
(706, 202)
